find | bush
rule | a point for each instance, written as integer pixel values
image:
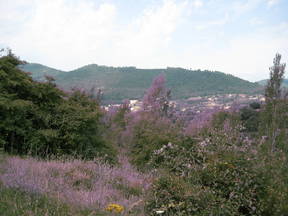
(221, 174)
(224, 184)
(148, 133)
(250, 118)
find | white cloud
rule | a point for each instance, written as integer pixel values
(244, 6)
(10, 9)
(68, 34)
(256, 21)
(271, 3)
(197, 3)
(12, 15)
(149, 35)
(209, 24)
(59, 33)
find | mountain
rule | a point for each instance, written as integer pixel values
(120, 83)
(263, 83)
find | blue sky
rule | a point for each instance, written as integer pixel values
(239, 37)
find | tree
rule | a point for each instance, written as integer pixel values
(273, 87)
(273, 115)
(157, 97)
(38, 119)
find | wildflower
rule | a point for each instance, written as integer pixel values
(115, 208)
(170, 145)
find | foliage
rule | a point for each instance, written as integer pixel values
(223, 162)
(274, 115)
(273, 88)
(116, 123)
(152, 126)
(222, 174)
(156, 99)
(149, 134)
(40, 120)
(250, 119)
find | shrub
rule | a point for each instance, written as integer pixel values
(148, 134)
(221, 174)
(250, 118)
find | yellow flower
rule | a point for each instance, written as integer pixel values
(114, 208)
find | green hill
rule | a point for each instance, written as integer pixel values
(120, 83)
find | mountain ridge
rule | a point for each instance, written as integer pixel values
(120, 83)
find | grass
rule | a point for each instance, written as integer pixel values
(2, 160)
(14, 202)
(34, 187)
(126, 189)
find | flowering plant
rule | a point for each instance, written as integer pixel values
(114, 208)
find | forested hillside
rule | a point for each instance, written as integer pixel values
(118, 83)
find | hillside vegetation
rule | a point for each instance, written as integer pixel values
(118, 83)
(64, 154)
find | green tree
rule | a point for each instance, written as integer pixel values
(273, 113)
(40, 120)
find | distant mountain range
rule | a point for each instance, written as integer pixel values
(118, 83)
(284, 84)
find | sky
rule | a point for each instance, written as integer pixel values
(238, 37)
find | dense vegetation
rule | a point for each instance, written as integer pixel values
(222, 162)
(130, 83)
(231, 163)
(38, 119)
